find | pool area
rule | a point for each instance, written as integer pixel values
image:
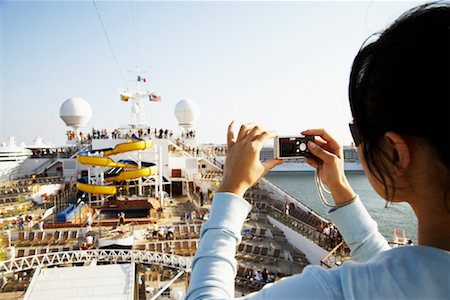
(129, 213)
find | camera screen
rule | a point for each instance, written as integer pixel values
(287, 147)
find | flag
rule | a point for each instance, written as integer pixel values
(124, 98)
(140, 78)
(154, 98)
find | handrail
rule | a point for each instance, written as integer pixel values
(337, 262)
(303, 228)
(107, 255)
(44, 165)
(181, 146)
(304, 206)
(298, 220)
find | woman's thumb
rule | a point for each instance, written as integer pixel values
(319, 152)
(271, 163)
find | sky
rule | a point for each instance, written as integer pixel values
(282, 65)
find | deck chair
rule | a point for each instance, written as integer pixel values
(248, 252)
(184, 232)
(9, 287)
(273, 259)
(21, 253)
(240, 272)
(257, 250)
(177, 233)
(139, 247)
(56, 237)
(73, 237)
(20, 239)
(262, 232)
(38, 240)
(240, 250)
(159, 248)
(151, 247)
(276, 253)
(31, 252)
(177, 248)
(63, 238)
(263, 254)
(185, 248)
(48, 238)
(193, 247)
(29, 241)
(42, 251)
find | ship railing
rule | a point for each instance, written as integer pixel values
(100, 255)
(201, 153)
(273, 188)
(336, 257)
(301, 227)
(26, 182)
(42, 167)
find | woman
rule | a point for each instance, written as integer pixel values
(399, 97)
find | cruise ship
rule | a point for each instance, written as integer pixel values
(11, 157)
(162, 185)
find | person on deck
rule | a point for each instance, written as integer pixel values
(121, 218)
(404, 149)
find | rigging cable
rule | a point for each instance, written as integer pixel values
(109, 43)
(138, 45)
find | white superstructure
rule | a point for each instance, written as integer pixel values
(11, 156)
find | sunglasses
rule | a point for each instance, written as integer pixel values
(356, 135)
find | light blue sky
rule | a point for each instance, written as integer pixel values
(284, 65)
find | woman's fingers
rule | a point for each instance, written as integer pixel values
(331, 142)
(230, 135)
(243, 131)
(253, 133)
(265, 136)
(321, 153)
(271, 163)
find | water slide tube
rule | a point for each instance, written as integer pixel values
(119, 174)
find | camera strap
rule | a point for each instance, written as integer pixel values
(321, 189)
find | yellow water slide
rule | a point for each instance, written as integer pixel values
(97, 189)
(133, 174)
(85, 159)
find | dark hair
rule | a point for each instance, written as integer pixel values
(400, 83)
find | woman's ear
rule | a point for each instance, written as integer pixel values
(399, 152)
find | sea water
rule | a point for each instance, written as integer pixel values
(301, 185)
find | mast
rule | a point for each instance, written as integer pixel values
(137, 97)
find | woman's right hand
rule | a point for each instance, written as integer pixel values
(329, 162)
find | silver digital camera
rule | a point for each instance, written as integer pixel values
(292, 147)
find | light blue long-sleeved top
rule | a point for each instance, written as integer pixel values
(376, 272)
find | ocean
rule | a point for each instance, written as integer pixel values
(301, 185)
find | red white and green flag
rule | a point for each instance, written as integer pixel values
(140, 78)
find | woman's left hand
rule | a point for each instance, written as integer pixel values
(243, 167)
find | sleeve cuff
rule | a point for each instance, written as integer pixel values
(229, 212)
(353, 220)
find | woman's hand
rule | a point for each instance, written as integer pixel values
(330, 165)
(242, 166)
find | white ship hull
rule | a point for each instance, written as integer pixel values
(7, 168)
(11, 156)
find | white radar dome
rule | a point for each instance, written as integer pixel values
(187, 112)
(75, 112)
